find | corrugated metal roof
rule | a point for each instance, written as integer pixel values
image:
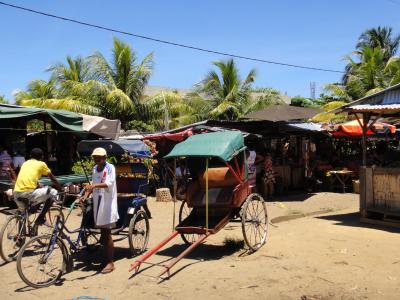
(308, 126)
(375, 107)
(392, 97)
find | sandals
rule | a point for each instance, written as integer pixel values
(107, 269)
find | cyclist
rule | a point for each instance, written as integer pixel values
(27, 184)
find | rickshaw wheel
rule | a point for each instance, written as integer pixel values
(184, 212)
(139, 229)
(254, 217)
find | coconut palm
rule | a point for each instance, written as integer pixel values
(380, 37)
(228, 94)
(44, 94)
(172, 110)
(93, 85)
(392, 69)
(374, 38)
(76, 69)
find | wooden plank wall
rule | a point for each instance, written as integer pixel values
(379, 190)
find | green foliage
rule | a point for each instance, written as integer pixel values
(3, 100)
(306, 102)
(373, 66)
(85, 162)
(93, 85)
(140, 126)
(330, 117)
(228, 94)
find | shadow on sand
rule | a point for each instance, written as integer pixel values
(293, 196)
(204, 252)
(353, 220)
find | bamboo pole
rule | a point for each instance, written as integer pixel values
(175, 188)
(207, 194)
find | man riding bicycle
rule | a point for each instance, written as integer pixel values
(27, 184)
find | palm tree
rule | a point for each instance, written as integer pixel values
(124, 75)
(380, 37)
(76, 69)
(392, 68)
(95, 86)
(262, 98)
(369, 73)
(172, 110)
(44, 94)
(228, 94)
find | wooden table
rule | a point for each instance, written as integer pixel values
(342, 177)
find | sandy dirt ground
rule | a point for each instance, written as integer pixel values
(320, 251)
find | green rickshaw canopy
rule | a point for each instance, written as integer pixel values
(223, 144)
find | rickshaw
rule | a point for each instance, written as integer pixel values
(37, 263)
(218, 193)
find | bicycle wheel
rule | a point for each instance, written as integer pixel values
(184, 212)
(139, 229)
(254, 217)
(41, 261)
(12, 237)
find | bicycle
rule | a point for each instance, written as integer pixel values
(48, 256)
(24, 224)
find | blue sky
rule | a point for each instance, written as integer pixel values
(308, 32)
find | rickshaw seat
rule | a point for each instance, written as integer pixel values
(218, 196)
(218, 178)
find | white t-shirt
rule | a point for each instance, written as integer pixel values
(18, 160)
(105, 207)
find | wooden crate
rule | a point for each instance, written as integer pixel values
(380, 195)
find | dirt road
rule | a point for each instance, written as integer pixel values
(328, 256)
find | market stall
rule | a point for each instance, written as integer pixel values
(379, 187)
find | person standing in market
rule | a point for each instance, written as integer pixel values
(251, 165)
(269, 177)
(105, 208)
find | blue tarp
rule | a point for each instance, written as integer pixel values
(115, 147)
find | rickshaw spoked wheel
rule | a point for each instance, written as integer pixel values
(254, 218)
(139, 230)
(184, 212)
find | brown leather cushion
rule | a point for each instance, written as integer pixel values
(218, 178)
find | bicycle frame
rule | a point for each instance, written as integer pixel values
(60, 230)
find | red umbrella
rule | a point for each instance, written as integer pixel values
(354, 129)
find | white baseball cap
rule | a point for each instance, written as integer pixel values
(99, 152)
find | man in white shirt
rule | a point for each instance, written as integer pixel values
(105, 209)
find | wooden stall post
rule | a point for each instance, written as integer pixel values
(364, 126)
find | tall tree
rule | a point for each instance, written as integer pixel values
(374, 38)
(228, 94)
(76, 69)
(93, 85)
(380, 37)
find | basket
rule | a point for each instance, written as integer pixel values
(163, 195)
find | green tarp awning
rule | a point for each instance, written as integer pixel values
(66, 119)
(224, 145)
